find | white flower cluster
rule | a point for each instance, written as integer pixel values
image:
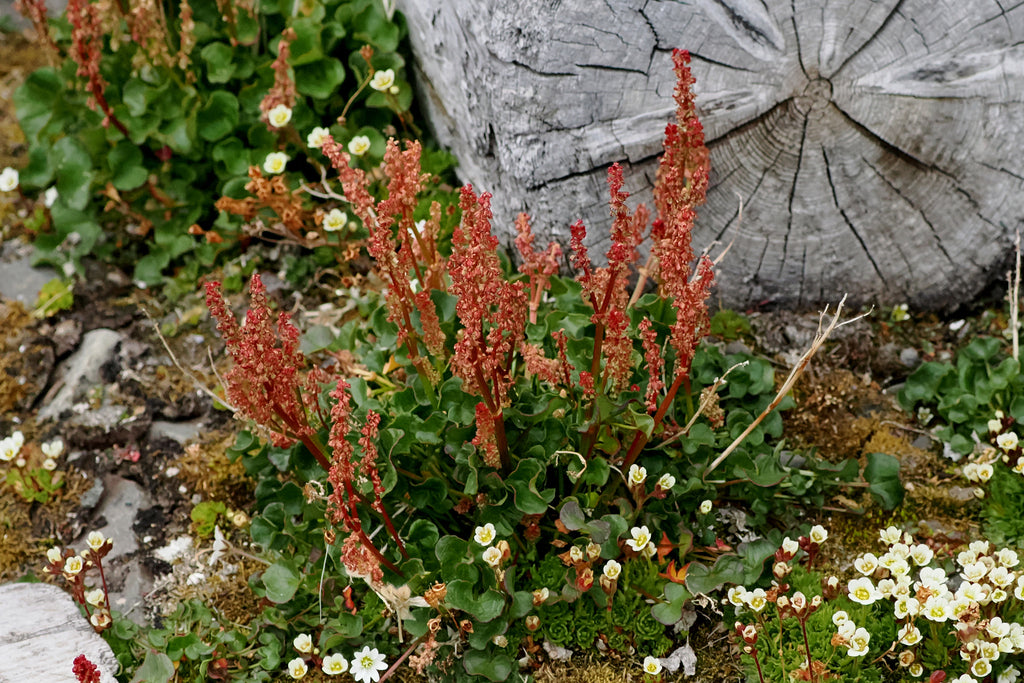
(484, 535)
(365, 667)
(11, 446)
(904, 575)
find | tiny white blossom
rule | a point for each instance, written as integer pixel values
(8, 179)
(1007, 557)
(863, 591)
(334, 664)
(367, 665)
(1009, 675)
(1007, 441)
(95, 597)
(981, 667)
(49, 464)
(492, 556)
(275, 162)
(303, 643)
(297, 668)
(818, 534)
(995, 426)
(317, 137)
(54, 554)
(95, 540)
(50, 197)
(705, 507)
(890, 535)
(859, 643)
(756, 599)
(637, 475)
(576, 553)
(53, 449)
(359, 145)
(484, 535)
(383, 80)
(641, 536)
(612, 569)
(666, 482)
(790, 546)
(921, 554)
(279, 116)
(985, 472)
(735, 595)
(840, 617)
(652, 665)
(335, 220)
(909, 635)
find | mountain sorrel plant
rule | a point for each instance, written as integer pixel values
(157, 109)
(527, 477)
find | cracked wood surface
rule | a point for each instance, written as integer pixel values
(875, 144)
(41, 633)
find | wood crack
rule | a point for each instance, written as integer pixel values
(846, 219)
(899, 193)
(792, 195)
(895, 9)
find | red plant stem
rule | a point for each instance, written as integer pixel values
(641, 439)
(103, 579)
(501, 440)
(757, 663)
(807, 649)
(398, 662)
(107, 111)
(391, 530)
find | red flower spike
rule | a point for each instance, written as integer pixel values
(85, 671)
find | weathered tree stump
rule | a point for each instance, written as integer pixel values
(875, 146)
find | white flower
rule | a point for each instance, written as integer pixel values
(735, 595)
(492, 556)
(50, 464)
(921, 554)
(367, 665)
(95, 597)
(73, 565)
(890, 535)
(95, 540)
(981, 668)
(995, 426)
(576, 553)
(936, 608)
(1007, 557)
(705, 507)
(866, 564)
(383, 80)
(317, 137)
(755, 599)
(641, 538)
(1009, 675)
(666, 482)
(909, 635)
(303, 643)
(863, 591)
(9, 449)
(1001, 576)
(297, 668)
(637, 475)
(1007, 441)
(859, 643)
(485, 534)
(979, 547)
(335, 220)
(789, 546)
(906, 606)
(220, 546)
(985, 472)
(840, 617)
(279, 116)
(612, 569)
(359, 145)
(916, 670)
(500, 640)
(652, 665)
(53, 449)
(818, 534)
(54, 554)
(593, 551)
(8, 179)
(964, 678)
(334, 664)
(275, 162)
(975, 571)
(50, 197)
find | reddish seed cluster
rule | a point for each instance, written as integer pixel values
(268, 382)
(85, 671)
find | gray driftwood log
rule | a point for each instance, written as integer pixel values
(876, 145)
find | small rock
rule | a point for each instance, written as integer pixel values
(91, 497)
(737, 346)
(910, 357)
(21, 282)
(120, 506)
(80, 372)
(181, 432)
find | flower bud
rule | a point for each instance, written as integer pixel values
(532, 622)
(540, 596)
(435, 594)
(781, 570)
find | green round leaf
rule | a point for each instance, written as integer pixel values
(319, 79)
(219, 117)
(281, 582)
